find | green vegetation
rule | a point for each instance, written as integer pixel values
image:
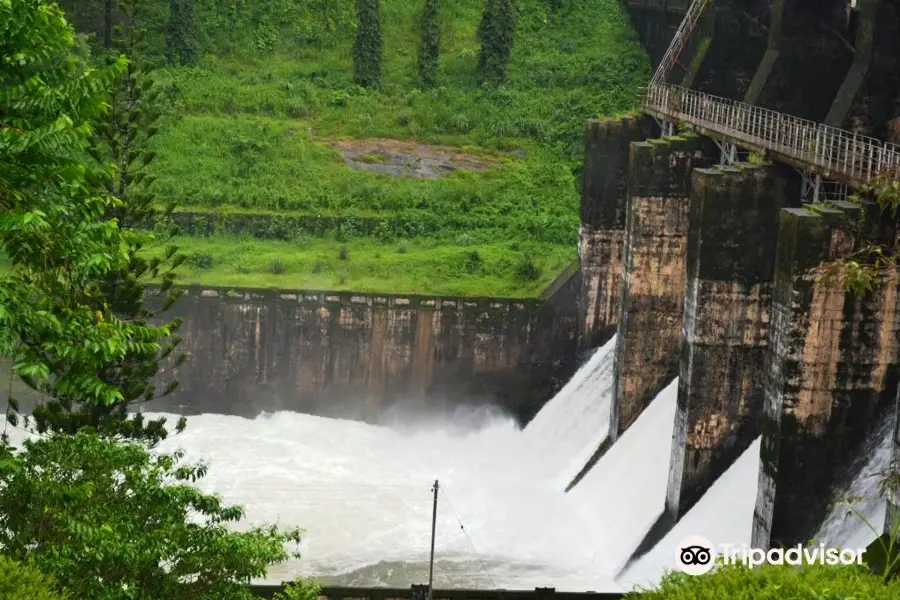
(80, 506)
(251, 126)
(430, 48)
(110, 520)
(497, 34)
(24, 582)
(769, 582)
(368, 47)
(457, 268)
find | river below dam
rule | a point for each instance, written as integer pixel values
(363, 493)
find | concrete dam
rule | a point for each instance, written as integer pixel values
(695, 373)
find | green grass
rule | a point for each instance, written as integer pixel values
(253, 119)
(814, 582)
(422, 266)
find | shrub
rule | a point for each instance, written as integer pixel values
(24, 582)
(464, 239)
(429, 50)
(112, 520)
(299, 589)
(344, 253)
(769, 582)
(496, 33)
(527, 269)
(367, 48)
(201, 260)
(472, 261)
(275, 266)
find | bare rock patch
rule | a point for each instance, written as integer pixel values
(408, 158)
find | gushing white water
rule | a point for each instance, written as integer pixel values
(626, 490)
(576, 421)
(844, 528)
(723, 515)
(363, 493)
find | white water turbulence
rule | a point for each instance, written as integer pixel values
(571, 427)
(625, 492)
(846, 528)
(363, 492)
(724, 515)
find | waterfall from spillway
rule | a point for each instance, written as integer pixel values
(843, 527)
(576, 421)
(363, 492)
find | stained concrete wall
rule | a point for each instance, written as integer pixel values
(832, 372)
(603, 202)
(653, 268)
(729, 273)
(361, 355)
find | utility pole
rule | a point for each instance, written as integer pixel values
(433, 527)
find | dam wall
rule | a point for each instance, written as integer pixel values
(720, 276)
(362, 356)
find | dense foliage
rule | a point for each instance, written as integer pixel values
(497, 34)
(53, 229)
(274, 84)
(181, 33)
(369, 46)
(770, 582)
(23, 582)
(113, 521)
(119, 182)
(430, 48)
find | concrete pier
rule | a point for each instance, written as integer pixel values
(832, 372)
(653, 267)
(730, 268)
(603, 201)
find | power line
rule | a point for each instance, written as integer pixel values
(471, 543)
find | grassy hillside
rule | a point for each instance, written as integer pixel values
(256, 121)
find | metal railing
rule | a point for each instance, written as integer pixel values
(679, 41)
(841, 155)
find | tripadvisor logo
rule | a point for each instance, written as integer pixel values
(696, 555)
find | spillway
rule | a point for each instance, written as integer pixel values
(363, 492)
(576, 421)
(723, 515)
(845, 526)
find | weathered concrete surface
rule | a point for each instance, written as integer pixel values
(362, 356)
(604, 195)
(832, 372)
(652, 300)
(892, 514)
(730, 267)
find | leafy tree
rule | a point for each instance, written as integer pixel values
(54, 228)
(367, 48)
(24, 582)
(121, 147)
(181, 33)
(496, 33)
(861, 271)
(114, 521)
(429, 50)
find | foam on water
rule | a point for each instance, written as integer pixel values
(723, 515)
(363, 493)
